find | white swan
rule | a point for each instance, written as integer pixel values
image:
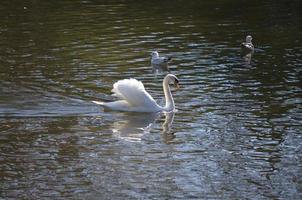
(157, 60)
(135, 98)
(247, 46)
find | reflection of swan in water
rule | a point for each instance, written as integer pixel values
(167, 125)
(169, 118)
(132, 126)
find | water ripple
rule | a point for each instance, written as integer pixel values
(236, 132)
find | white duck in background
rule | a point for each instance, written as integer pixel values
(247, 46)
(135, 98)
(157, 60)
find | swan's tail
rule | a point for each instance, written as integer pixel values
(98, 102)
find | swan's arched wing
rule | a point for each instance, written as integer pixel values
(133, 91)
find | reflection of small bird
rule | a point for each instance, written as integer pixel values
(157, 60)
(247, 46)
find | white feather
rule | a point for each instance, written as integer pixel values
(134, 97)
(98, 102)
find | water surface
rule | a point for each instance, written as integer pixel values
(237, 130)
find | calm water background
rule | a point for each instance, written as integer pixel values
(237, 131)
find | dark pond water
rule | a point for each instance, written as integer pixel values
(237, 130)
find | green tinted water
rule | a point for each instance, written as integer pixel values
(237, 131)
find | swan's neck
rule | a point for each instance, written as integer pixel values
(168, 96)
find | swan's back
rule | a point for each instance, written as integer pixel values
(134, 93)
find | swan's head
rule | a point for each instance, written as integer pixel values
(248, 39)
(172, 79)
(154, 54)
